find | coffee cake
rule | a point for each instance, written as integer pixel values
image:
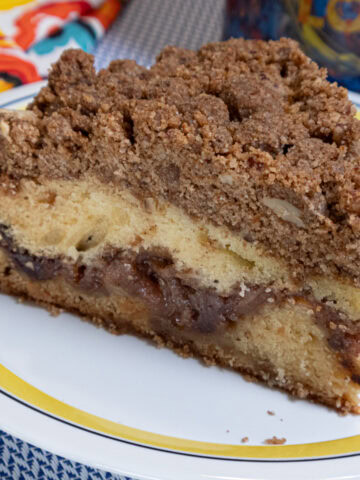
(210, 203)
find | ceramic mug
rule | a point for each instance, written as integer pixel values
(327, 30)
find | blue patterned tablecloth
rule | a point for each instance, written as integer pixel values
(142, 30)
(21, 461)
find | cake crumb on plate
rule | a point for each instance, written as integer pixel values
(274, 441)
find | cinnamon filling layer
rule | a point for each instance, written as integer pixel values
(175, 296)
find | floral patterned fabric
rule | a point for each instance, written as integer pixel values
(34, 33)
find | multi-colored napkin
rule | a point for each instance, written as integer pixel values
(33, 33)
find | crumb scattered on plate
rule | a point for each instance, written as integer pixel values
(274, 441)
(270, 412)
(54, 311)
(244, 439)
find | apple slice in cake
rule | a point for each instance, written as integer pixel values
(210, 203)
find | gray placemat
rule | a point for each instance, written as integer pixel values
(146, 26)
(142, 30)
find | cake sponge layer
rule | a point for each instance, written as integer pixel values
(77, 220)
(143, 265)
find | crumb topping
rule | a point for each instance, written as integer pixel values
(246, 133)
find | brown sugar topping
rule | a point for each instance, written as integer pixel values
(247, 134)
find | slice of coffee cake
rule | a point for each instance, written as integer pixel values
(210, 203)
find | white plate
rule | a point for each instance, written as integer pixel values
(119, 404)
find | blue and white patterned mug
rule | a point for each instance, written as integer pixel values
(328, 30)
